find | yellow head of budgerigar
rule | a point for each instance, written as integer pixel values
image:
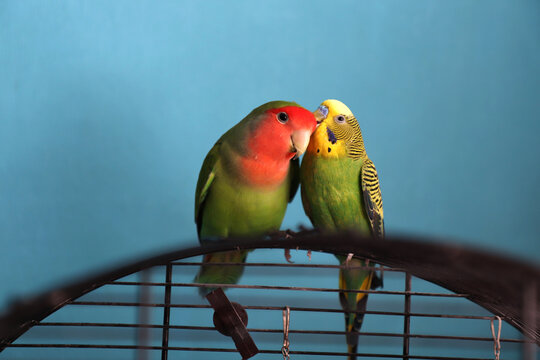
(330, 139)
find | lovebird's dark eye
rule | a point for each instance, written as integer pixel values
(282, 117)
(340, 119)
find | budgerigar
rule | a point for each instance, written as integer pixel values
(340, 191)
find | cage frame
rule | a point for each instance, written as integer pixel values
(506, 287)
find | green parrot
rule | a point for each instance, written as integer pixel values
(340, 191)
(246, 181)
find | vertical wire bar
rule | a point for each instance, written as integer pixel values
(530, 313)
(143, 315)
(407, 317)
(166, 312)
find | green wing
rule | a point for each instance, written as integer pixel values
(294, 177)
(206, 177)
(372, 198)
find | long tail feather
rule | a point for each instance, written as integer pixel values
(220, 274)
(353, 323)
(352, 350)
(354, 304)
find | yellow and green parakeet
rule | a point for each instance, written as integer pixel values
(246, 181)
(340, 191)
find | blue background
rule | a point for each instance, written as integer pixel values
(107, 110)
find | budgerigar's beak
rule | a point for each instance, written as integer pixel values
(321, 113)
(300, 141)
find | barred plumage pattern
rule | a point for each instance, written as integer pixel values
(352, 136)
(372, 197)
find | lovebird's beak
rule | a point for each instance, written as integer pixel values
(300, 141)
(321, 113)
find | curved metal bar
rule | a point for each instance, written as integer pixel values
(494, 282)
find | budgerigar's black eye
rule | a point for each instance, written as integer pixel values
(340, 119)
(283, 117)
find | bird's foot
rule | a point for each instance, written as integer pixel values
(349, 258)
(288, 256)
(289, 234)
(280, 235)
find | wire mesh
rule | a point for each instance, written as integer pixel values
(157, 314)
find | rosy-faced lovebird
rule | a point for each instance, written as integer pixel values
(246, 182)
(340, 191)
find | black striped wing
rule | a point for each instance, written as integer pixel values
(372, 198)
